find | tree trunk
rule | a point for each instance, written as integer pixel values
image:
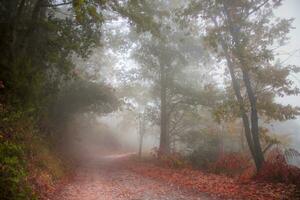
(164, 139)
(252, 140)
(141, 134)
(243, 111)
(141, 145)
(29, 36)
(238, 95)
(242, 137)
(254, 121)
(15, 27)
(238, 51)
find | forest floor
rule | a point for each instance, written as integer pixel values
(110, 178)
(119, 177)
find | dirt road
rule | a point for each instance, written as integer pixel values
(107, 178)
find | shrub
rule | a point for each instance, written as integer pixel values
(205, 147)
(13, 183)
(27, 166)
(172, 160)
(203, 157)
(276, 169)
(230, 164)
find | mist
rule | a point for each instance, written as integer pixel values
(135, 99)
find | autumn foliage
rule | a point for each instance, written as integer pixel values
(231, 176)
(276, 169)
(230, 164)
(216, 185)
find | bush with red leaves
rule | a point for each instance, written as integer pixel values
(215, 185)
(276, 169)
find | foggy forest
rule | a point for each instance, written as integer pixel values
(149, 100)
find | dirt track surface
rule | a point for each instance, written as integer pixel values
(107, 178)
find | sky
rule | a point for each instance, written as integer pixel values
(291, 9)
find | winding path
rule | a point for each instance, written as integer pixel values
(107, 178)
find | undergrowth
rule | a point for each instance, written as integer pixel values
(28, 167)
(236, 165)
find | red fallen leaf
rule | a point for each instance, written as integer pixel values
(218, 185)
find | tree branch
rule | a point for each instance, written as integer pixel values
(57, 5)
(268, 147)
(257, 8)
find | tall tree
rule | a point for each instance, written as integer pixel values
(243, 33)
(40, 38)
(154, 52)
(163, 52)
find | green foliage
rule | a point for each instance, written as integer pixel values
(13, 183)
(38, 41)
(43, 158)
(25, 158)
(39, 45)
(80, 96)
(141, 13)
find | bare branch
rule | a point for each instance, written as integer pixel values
(268, 147)
(57, 5)
(257, 8)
